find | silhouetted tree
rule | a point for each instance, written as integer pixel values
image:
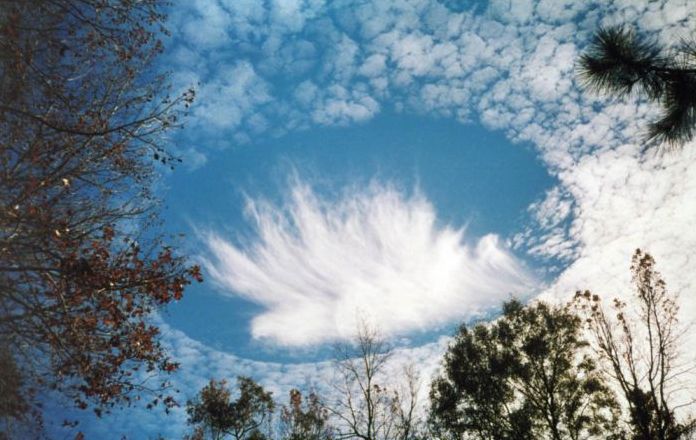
(640, 347)
(304, 418)
(215, 416)
(83, 120)
(620, 63)
(365, 407)
(524, 376)
(13, 405)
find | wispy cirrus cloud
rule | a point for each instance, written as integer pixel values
(510, 66)
(512, 70)
(317, 264)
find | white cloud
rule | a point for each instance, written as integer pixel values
(342, 111)
(373, 66)
(513, 70)
(199, 363)
(336, 105)
(512, 10)
(235, 94)
(316, 265)
(291, 14)
(207, 26)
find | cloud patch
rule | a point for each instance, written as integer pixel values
(316, 265)
(513, 70)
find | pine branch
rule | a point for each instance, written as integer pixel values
(618, 62)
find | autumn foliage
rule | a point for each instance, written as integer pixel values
(305, 418)
(640, 348)
(83, 123)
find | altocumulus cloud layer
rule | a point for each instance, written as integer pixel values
(200, 363)
(318, 265)
(288, 65)
(508, 65)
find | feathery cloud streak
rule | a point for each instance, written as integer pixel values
(511, 67)
(317, 265)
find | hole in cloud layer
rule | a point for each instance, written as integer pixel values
(316, 264)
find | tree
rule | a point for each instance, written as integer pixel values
(13, 405)
(619, 63)
(640, 348)
(364, 408)
(82, 267)
(213, 414)
(304, 419)
(524, 376)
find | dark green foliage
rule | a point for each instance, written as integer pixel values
(618, 62)
(214, 415)
(525, 376)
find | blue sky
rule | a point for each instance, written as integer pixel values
(413, 162)
(464, 170)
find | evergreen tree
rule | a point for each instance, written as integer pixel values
(619, 63)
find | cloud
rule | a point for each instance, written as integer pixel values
(317, 264)
(341, 107)
(233, 96)
(518, 56)
(510, 67)
(512, 70)
(199, 363)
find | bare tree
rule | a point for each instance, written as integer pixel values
(640, 347)
(408, 421)
(367, 408)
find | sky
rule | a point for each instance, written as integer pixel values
(410, 163)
